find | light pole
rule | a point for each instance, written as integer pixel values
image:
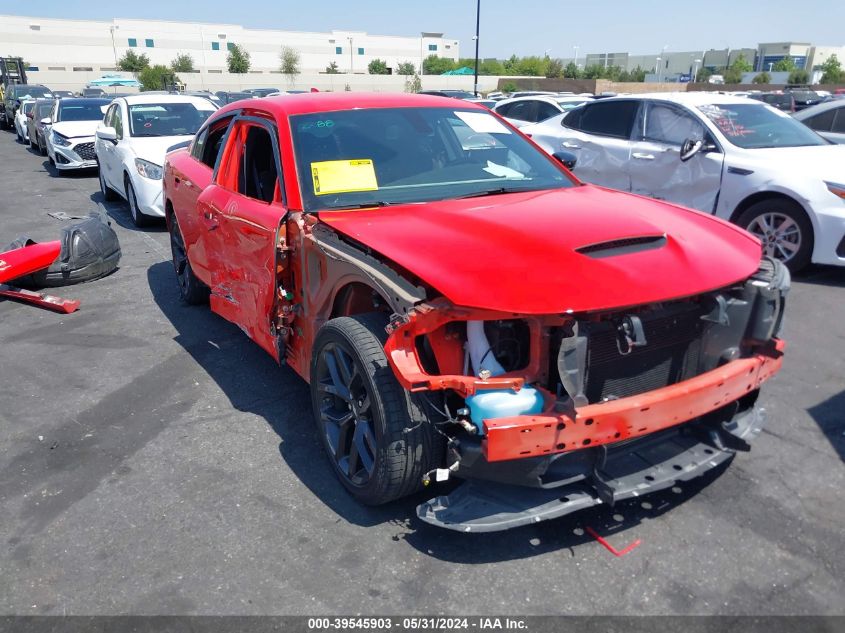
(657, 67)
(350, 54)
(113, 47)
(477, 29)
(660, 72)
(576, 55)
(695, 64)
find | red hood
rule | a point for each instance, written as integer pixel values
(516, 252)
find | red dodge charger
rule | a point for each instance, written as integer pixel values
(463, 307)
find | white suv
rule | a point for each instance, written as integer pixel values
(132, 140)
(730, 156)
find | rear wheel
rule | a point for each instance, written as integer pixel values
(378, 441)
(138, 217)
(42, 148)
(784, 229)
(191, 289)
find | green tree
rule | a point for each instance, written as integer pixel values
(378, 67)
(785, 65)
(413, 83)
(742, 65)
(133, 62)
(615, 73)
(762, 78)
(332, 69)
(237, 60)
(182, 63)
(799, 76)
(593, 71)
(554, 69)
(531, 66)
(637, 75)
(491, 67)
(406, 68)
(703, 75)
(289, 63)
(434, 65)
(571, 71)
(157, 77)
(509, 87)
(832, 71)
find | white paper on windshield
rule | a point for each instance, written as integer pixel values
(501, 171)
(482, 123)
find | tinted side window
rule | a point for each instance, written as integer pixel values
(609, 118)
(573, 119)
(214, 142)
(118, 121)
(822, 122)
(503, 109)
(257, 177)
(546, 111)
(665, 124)
(839, 123)
(198, 144)
(523, 111)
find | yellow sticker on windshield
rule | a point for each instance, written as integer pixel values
(343, 176)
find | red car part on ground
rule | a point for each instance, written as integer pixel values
(24, 261)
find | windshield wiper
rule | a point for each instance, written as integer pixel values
(362, 205)
(495, 192)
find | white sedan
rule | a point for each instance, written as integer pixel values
(132, 141)
(21, 129)
(521, 111)
(70, 134)
(737, 158)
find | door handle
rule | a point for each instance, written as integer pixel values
(643, 156)
(569, 145)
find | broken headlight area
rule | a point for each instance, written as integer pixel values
(513, 387)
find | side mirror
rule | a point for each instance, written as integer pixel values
(46, 121)
(690, 148)
(567, 159)
(107, 134)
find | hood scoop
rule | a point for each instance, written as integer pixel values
(623, 246)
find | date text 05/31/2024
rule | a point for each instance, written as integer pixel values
(416, 623)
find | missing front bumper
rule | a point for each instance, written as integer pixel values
(638, 469)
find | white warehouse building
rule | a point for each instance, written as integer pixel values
(51, 45)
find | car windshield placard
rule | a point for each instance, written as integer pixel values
(757, 126)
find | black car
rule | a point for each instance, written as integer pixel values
(780, 100)
(15, 93)
(804, 96)
(260, 92)
(454, 94)
(229, 97)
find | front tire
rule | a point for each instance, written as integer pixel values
(191, 289)
(378, 441)
(140, 220)
(784, 229)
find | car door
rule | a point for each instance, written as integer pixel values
(187, 185)
(599, 135)
(242, 213)
(656, 169)
(106, 153)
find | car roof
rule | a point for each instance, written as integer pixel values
(311, 102)
(819, 108)
(547, 98)
(83, 100)
(141, 99)
(691, 99)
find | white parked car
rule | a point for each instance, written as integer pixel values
(828, 119)
(70, 133)
(133, 138)
(521, 111)
(21, 128)
(730, 156)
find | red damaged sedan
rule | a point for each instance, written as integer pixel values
(463, 307)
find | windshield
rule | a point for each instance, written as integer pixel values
(33, 91)
(81, 111)
(756, 126)
(397, 155)
(167, 119)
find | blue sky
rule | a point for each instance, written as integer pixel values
(524, 27)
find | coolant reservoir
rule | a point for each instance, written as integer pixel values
(503, 403)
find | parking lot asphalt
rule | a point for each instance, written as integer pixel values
(153, 460)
